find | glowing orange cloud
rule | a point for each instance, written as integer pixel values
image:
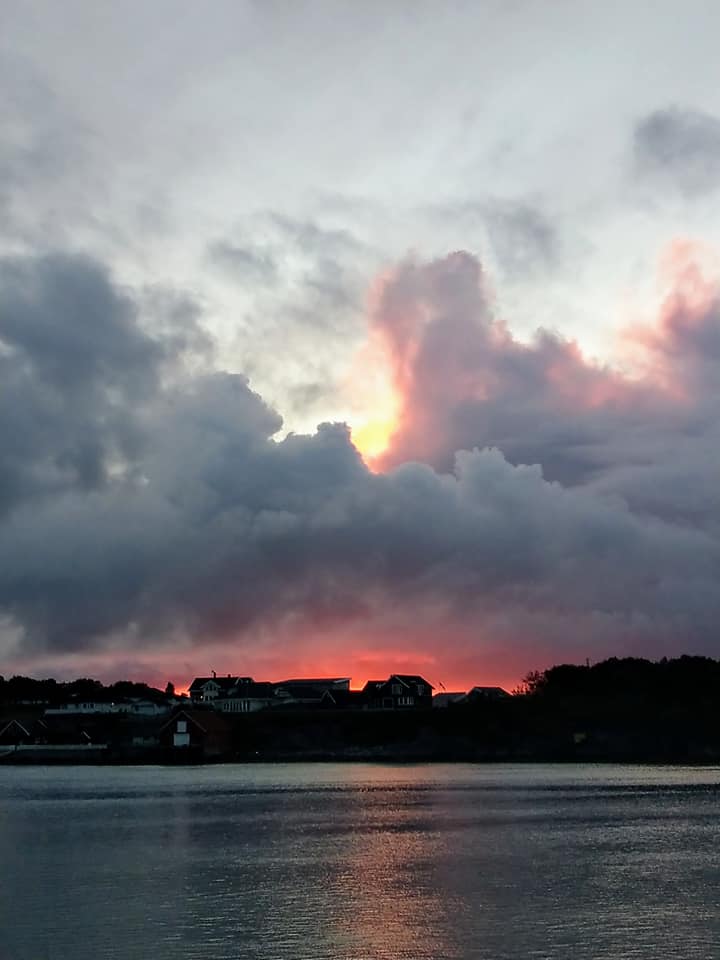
(372, 384)
(440, 372)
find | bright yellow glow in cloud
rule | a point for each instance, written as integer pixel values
(373, 437)
(375, 397)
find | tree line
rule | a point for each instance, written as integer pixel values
(19, 689)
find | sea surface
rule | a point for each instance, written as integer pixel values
(359, 861)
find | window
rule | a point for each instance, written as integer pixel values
(420, 689)
(406, 701)
(396, 689)
(182, 726)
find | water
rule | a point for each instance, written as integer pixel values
(357, 862)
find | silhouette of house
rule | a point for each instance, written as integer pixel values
(446, 699)
(208, 689)
(399, 692)
(14, 732)
(76, 729)
(480, 694)
(205, 733)
(76, 705)
(245, 696)
(138, 706)
(311, 692)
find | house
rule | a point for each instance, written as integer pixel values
(245, 697)
(76, 729)
(312, 692)
(344, 700)
(321, 683)
(139, 707)
(203, 732)
(133, 705)
(15, 732)
(85, 707)
(484, 694)
(444, 700)
(209, 689)
(398, 692)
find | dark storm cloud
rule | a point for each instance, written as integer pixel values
(74, 367)
(62, 317)
(77, 372)
(681, 148)
(192, 520)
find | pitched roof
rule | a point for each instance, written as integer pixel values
(223, 682)
(15, 723)
(303, 691)
(326, 683)
(443, 699)
(406, 679)
(495, 692)
(251, 691)
(410, 678)
(209, 721)
(346, 698)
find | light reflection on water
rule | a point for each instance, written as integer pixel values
(357, 862)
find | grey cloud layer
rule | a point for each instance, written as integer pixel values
(145, 503)
(681, 148)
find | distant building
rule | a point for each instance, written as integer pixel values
(204, 733)
(147, 708)
(85, 706)
(444, 700)
(208, 689)
(136, 706)
(14, 732)
(320, 683)
(245, 696)
(312, 692)
(478, 694)
(230, 694)
(398, 692)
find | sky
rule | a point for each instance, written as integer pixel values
(348, 339)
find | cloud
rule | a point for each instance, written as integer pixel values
(47, 157)
(243, 262)
(523, 237)
(79, 368)
(680, 148)
(526, 242)
(75, 369)
(298, 289)
(144, 511)
(464, 382)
